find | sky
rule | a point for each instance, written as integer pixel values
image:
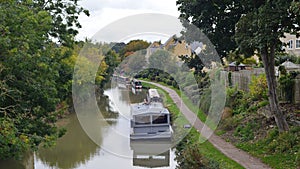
(105, 12)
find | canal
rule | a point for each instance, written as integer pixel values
(113, 148)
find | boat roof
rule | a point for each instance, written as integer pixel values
(153, 93)
(152, 108)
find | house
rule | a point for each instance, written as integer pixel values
(292, 44)
(153, 48)
(175, 46)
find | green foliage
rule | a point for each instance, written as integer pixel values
(230, 79)
(286, 84)
(159, 59)
(188, 155)
(282, 57)
(230, 123)
(249, 61)
(237, 100)
(279, 150)
(133, 46)
(216, 19)
(246, 132)
(12, 143)
(35, 71)
(286, 142)
(258, 87)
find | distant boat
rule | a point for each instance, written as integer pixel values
(136, 84)
(150, 119)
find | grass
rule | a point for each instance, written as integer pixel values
(206, 148)
(277, 161)
(185, 99)
(278, 150)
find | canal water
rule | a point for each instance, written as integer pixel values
(75, 150)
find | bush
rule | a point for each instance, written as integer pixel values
(188, 155)
(286, 83)
(286, 142)
(246, 132)
(229, 123)
(237, 100)
(258, 87)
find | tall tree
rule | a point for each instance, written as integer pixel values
(216, 19)
(259, 31)
(256, 26)
(32, 70)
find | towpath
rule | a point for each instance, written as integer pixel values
(240, 156)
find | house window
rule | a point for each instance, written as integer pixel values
(297, 44)
(290, 44)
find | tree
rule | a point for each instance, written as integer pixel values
(259, 31)
(64, 16)
(133, 46)
(159, 59)
(215, 18)
(31, 78)
(256, 26)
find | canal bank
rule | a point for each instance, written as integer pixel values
(225, 148)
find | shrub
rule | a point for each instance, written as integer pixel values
(246, 132)
(169, 82)
(229, 123)
(258, 87)
(286, 83)
(283, 142)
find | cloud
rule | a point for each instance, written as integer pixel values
(104, 12)
(157, 5)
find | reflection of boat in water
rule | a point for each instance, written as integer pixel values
(150, 120)
(151, 154)
(122, 81)
(136, 91)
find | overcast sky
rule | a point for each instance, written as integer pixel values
(104, 12)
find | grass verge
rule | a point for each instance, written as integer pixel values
(206, 148)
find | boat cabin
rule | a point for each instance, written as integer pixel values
(153, 96)
(150, 121)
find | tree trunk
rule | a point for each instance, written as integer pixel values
(268, 55)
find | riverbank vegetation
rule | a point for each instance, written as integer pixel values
(38, 59)
(189, 152)
(248, 124)
(34, 78)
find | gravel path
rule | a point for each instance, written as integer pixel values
(240, 156)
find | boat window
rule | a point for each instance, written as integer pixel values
(160, 119)
(142, 120)
(138, 83)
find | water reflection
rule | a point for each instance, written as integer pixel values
(74, 149)
(26, 163)
(151, 154)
